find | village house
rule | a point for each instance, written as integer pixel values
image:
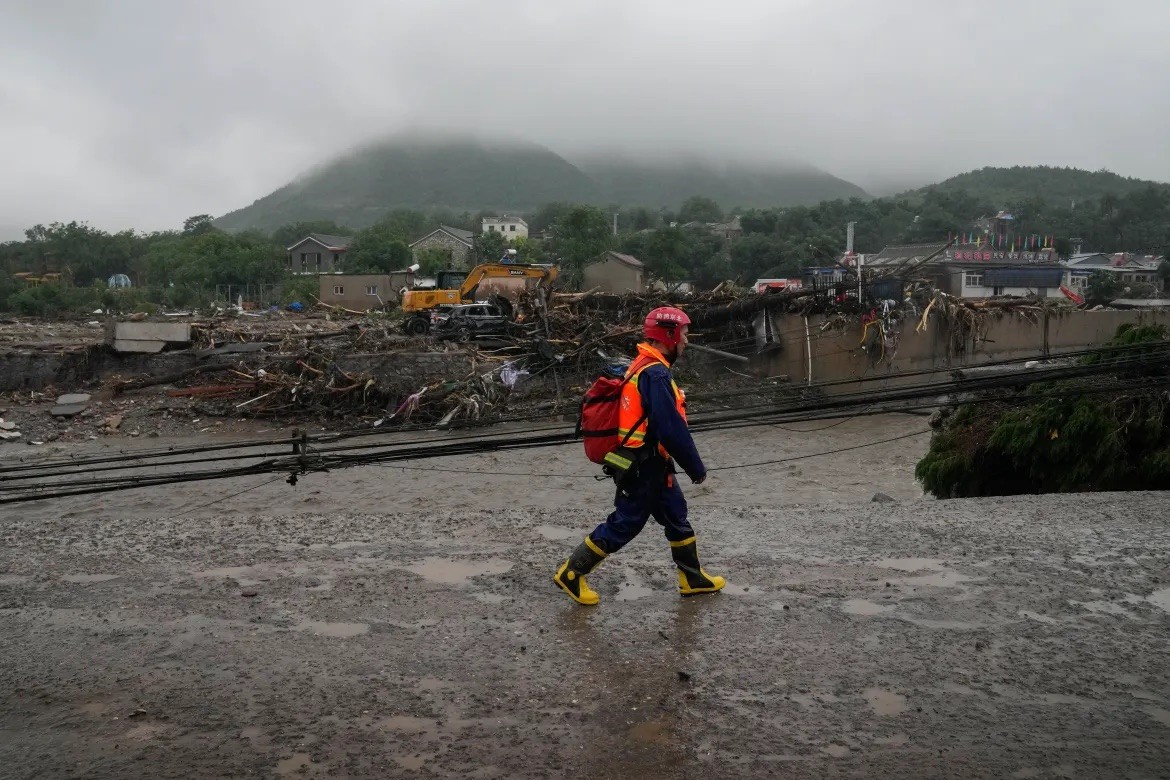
(511, 227)
(363, 292)
(974, 270)
(455, 242)
(318, 253)
(728, 231)
(614, 272)
(1124, 267)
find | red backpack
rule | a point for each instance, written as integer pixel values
(600, 409)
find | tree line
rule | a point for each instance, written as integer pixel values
(183, 268)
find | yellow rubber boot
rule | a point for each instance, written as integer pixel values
(571, 575)
(692, 580)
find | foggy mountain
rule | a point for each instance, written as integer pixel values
(465, 174)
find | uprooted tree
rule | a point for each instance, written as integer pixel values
(1063, 437)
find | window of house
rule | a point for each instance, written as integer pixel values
(512, 228)
(338, 290)
(318, 256)
(289, 260)
(372, 289)
(491, 228)
(1080, 282)
(997, 291)
(973, 278)
(304, 261)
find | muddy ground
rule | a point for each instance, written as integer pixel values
(383, 622)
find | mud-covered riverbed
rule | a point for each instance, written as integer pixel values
(385, 623)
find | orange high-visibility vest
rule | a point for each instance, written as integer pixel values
(631, 417)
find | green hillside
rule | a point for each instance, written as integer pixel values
(1055, 185)
(465, 175)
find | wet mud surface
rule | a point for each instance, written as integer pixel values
(384, 623)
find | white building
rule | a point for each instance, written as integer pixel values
(511, 227)
(1124, 267)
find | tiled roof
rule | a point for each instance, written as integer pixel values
(904, 253)
(336, 243)
(466, 235)
(629, 260)
(333, 242)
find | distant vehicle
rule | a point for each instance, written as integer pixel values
(767, 285)
(464, 322)
(459, 287)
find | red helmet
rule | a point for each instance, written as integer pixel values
(662, 324)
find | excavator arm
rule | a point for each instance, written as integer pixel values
(547, 274)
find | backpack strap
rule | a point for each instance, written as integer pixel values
(636, 370)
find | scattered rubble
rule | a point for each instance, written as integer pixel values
(325, 364)
(70, 404)
(8, 430)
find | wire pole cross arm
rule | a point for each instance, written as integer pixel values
(300, 464)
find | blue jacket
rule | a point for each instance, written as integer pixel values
(664, 424)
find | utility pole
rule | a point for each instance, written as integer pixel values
(849, 230)
(615, 223)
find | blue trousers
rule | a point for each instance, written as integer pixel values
(651, 494)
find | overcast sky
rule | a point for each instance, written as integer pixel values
(138, 114)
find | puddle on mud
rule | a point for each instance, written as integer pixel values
(451, 571)
(1027, 613)
(943, 624)
(942, 577)
(85, 579)
(885, 702)
(256, 736)
(490, 598)
(409, 724)
(410, 763)
(894, 740)
(740, 590)
(629, 591)
(244, 575)
(651, 732)
(337, 630)
(295, 764)
(94, 708)
(812, 699)
(555, 533)
(1159, 714)
(1104, 608)
(432, 684)
(1160, 599)
(863, 607)
(910, 564)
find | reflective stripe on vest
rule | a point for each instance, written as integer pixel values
(631, 417)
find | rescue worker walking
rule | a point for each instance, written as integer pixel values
(652, 426)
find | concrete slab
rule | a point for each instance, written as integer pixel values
(179, 332)
(68, 410)
(137, 345)
(73, 398)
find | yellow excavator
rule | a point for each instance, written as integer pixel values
(460, 287)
